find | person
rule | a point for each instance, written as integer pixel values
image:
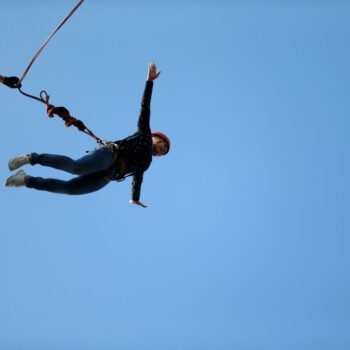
(116, 160)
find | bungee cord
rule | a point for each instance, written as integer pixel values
(62, 112)
(48, 39)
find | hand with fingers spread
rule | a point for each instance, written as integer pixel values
(152, 72)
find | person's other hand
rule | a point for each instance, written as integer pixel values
(138, 203)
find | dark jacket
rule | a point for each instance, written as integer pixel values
(134, 153)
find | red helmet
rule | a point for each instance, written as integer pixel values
(163, 137)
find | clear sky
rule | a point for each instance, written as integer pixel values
(245, 243)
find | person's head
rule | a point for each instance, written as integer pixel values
(161, 144)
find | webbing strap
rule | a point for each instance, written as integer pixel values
(48, 39)
(44, 97)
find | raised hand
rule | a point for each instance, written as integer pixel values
(152, 72)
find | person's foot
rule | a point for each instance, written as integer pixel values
(16, 180)
(17, 162)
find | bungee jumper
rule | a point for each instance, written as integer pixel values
(116, 160)
(110, 161)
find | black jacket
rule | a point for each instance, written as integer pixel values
(134, 153)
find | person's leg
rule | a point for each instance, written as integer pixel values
(79, 185)
(97, 160)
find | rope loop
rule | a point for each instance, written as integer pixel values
(44, 97)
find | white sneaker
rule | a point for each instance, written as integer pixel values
(17, 162)
(16, 180)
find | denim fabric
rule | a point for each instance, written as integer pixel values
(91, 168)
(96, 160)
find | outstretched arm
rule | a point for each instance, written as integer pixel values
(144, 119)
(136, 190)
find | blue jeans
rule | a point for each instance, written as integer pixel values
(90, 168)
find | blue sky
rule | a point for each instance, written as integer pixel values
(245, 241)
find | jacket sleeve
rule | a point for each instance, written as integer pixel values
(143, 124)
(136, 186)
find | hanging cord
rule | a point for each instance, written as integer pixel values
(62, 112)
(48, 39)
